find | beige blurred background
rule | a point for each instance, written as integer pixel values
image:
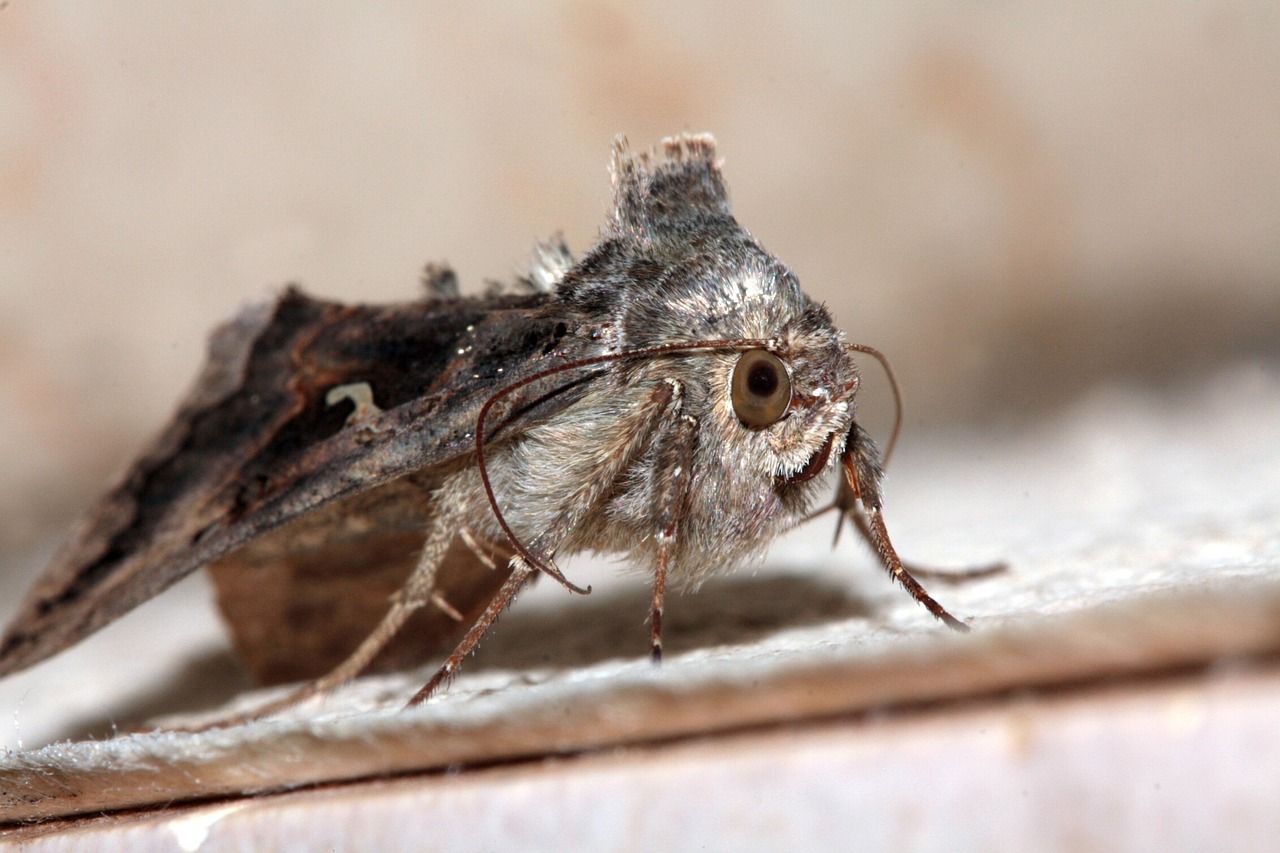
(1016, 202)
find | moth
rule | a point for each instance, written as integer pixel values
(673, 396)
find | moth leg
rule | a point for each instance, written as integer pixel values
(858, 518)
(449, 610)
(473, 545)
(863, 473)
(659, 600)
(417, 591)
(521, 572)
(636, 433)
(847, 506)
(675, 453)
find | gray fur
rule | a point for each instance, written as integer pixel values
(674, 266)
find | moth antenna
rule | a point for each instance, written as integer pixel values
(482, 466)
(842, 500)
(898, 409)
(541, 565)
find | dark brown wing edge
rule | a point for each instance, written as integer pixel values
(255, 444)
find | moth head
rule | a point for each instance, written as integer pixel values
(674, 265)
(787, 407)
(678, 298)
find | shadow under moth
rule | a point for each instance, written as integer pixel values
(381, 470)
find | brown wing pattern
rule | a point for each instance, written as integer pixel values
(256, 444)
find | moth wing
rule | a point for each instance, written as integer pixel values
(260, 442)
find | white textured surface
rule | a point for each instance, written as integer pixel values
(1182, 766)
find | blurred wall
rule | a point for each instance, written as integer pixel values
(1014, 201)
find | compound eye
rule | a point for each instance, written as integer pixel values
(761, 389)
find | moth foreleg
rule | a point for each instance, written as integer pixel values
(674, 457)
(858, 518)
(863, 473)
(848, 506)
